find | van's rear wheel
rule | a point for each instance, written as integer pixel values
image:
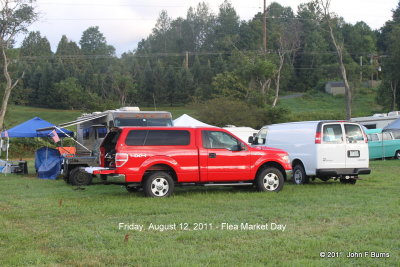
(270, 179)
(397, 154)
(158, 184)
(299, 175)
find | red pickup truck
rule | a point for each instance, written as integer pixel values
(158, 158)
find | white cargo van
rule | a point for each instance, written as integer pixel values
(319, 149)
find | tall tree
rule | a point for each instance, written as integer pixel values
(332, 22)
(15, 17)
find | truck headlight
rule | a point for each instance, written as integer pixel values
(286, 159)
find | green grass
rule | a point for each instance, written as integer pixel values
(18, 114)
(317, 105)
(312, 106)
(46, 222)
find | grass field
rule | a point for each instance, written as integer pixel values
(18, 114)
(44, 222)
(314, 105)
(318, 105)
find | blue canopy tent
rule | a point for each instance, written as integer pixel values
(47, 161)
(393, 126)
(28, 129)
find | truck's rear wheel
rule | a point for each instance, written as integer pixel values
(158, 184)
(79, 177)
(299, 175)
(270, 179)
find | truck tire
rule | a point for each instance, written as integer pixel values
(158, 184)
(299, 175)
(397, 154)
(79, 177)
(270, 179)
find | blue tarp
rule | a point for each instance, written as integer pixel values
(48, 163)
(28, 129)
(393, 126)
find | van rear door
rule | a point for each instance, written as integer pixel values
(357, 154)
(332, 150)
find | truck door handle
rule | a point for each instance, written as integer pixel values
(212, 155)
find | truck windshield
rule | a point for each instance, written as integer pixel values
(142, 122)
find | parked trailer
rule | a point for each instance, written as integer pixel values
(91, 130)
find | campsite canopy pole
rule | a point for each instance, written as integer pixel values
(8, 144)
(73, 139)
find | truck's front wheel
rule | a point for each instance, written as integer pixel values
(158, 184)
(270, 179)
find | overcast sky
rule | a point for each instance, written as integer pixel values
(125, 22)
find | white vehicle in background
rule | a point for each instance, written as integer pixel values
(319, 149)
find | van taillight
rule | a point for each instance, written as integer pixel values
(121, 159)
(318, 138)
(365, 137)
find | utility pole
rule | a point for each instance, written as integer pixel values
(265, 27)
(187, 60)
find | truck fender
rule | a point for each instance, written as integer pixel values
(173, 164)
(259, 165)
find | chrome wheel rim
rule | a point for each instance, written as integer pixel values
(298, 177)
(271, 181)
(159, 187)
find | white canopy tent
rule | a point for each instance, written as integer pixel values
(241, 132)
(187, 121)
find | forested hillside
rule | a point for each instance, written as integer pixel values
(208, 56)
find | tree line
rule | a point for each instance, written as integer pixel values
(207, 56)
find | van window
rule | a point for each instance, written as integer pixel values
(158, 138)
(373, 137)
(219, 140)
(261, 136)
(332, 133)
(353, 133)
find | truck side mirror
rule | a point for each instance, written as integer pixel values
(251, 139)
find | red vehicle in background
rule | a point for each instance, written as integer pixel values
(158, 158)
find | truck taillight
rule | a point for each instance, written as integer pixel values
(121, 159)
(318, 138)
(101, 156)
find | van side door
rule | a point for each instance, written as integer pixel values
(332, 150)
(357, 154)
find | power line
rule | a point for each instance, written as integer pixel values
(199, 53)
